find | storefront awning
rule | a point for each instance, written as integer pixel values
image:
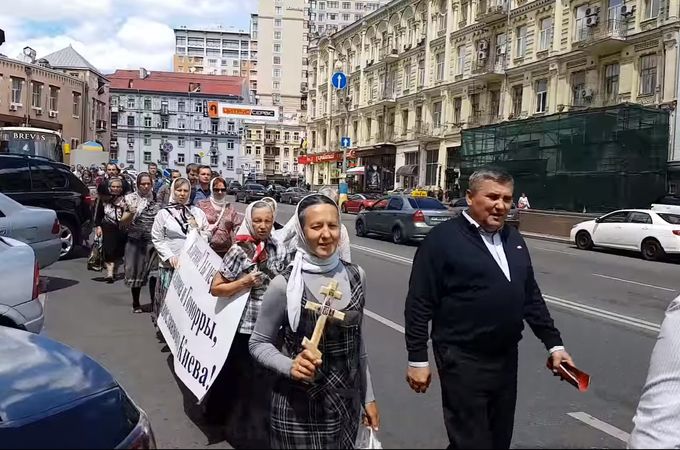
(356, 171)
(410, 170)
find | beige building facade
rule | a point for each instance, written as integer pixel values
(421, 72)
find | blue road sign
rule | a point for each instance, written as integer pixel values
(345, 142)
(339, 80)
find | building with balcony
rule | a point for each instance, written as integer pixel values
(329, 16)
(162, 117)
(421, 73)
(61, 92)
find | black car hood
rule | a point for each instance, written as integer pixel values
(38, 374)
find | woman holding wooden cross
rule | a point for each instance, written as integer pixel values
(324, 381)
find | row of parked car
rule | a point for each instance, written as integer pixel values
(51, 395)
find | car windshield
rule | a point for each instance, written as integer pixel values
(256, 187)
(673, 219)
(426, 203)
(372, 196)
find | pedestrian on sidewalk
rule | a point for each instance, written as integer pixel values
(657, 419)
(170, 229)
(107, 220)
(472, 278)
(316, 403)
(223, 219)
(239, 397)
(523, 202)
(141, 259)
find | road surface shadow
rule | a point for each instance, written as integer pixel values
(194, 411)
(55, 283)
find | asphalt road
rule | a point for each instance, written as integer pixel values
(607, 305)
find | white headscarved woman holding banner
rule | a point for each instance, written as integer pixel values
(240, 395)
(324, 385)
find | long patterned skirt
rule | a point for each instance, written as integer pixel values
(140, 258)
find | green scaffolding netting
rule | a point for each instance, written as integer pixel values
(598, 160)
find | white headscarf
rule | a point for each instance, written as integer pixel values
(247, 233)
(305, 261)
(173, 200)
(218, 204)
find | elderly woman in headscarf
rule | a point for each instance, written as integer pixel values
(321, 391)
(223, 219)
(107, 219)
(240, 395)
(140, 254)
(170, 229)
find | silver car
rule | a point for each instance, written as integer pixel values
(21, 300)
(459, 205)
(293, 195)
(402, 217)
(37, 227)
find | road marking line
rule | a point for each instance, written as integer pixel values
(568, 304)
(384, 321)
(633, 282)
(603, 313)
(600, 425)
(556, 251)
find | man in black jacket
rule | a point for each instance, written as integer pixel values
(472, 277)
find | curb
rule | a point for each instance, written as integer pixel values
(546, 237)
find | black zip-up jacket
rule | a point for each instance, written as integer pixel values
(457, 284)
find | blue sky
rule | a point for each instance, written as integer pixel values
(114, 34)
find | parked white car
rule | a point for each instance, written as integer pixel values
(653, 233)
(667, 204)
(37, 227)
(21, 300)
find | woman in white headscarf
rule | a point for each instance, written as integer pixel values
(170, 229)
(240, 395)
(317, 401)
(223, 219)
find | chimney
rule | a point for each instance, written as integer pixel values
(143, 73)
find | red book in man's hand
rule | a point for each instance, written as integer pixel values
(577, 378)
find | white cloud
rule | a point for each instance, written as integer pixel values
(115, 34)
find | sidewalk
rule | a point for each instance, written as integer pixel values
(546, 237)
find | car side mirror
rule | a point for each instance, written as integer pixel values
(598, 220)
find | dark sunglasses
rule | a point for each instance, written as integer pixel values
(219, 190)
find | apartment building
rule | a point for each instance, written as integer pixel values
(420, 74)
(162, 117)
(70, 97)
(330, 16)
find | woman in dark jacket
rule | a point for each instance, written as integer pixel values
(108, 216)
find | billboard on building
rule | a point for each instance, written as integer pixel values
(248, 112)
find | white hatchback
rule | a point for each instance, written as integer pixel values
(653, 233)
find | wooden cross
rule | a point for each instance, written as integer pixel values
(325, 311)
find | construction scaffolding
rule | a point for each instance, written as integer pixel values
(595, 160)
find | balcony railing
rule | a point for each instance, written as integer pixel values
(493, 64)
(611, 29)
(489, 11)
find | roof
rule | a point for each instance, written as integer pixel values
(178, 83)
(69, 58)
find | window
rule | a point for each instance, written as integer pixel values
(521, 47)
(249, 150)
(346, 17)
(36, 97)
(460, 66)
(277, 73)
(131, 103)
(457, 107)
(421, 73)
(578, 86)
(517, 91)
(197, 142)
(333, 17)
(440, 66)
(431, 167)
(213, 143)
(54, 98)
(214, 125)
(45, 177)
(286, 152)
(180, 141)
(180, 106)
(164, 123)
(651, 9)
(277, 35)
(198, 107)
(258, 151)
(147, 157)
(617, 217)
(230, 145)
(164, 158)
(277, 48)
(131, 121)
(647, 74)
(278, 10)
(546, 34)
(147, 140)
(230, 163)
(197, 159)
(213, 160)
(541, 96)
(437, 114)
(580, 28)
(130, 156)
(15, 175)
(147, 121)
(395, 204)
(277, 23)
(640, 217)
(181, 123)
(277, 60)
(147, 104)
(198, 124)
(76, 105)
(180, 158)
(611, 82)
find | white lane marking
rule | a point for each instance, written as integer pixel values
(384, 321)
(603, 313)
(600, 425)
(633, 282)
(555, 251)
(568, 304)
